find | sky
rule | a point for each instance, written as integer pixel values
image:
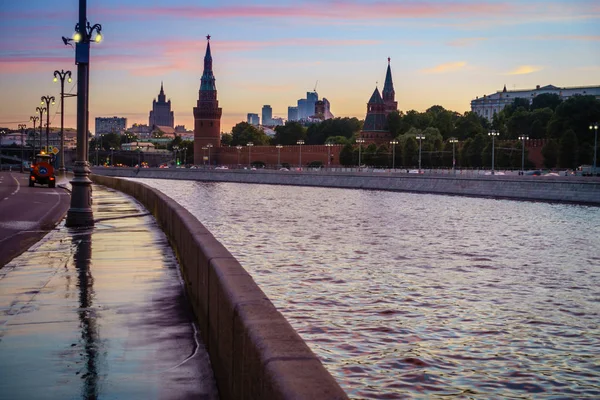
(274, 51)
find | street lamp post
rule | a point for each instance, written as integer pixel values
(239, 149)
(360, 142)
(139, 150)
(112, 158)
(493, 134)
(34, 119)
(329, 145)
(22, 129)
(250, 144)
(2, 133)
(80, 214)
(279, 155)
(394, 143)
(209, 147)
(595, 127)
(185, 156)
(97, 148)
(420, 138)
(453, 141)
(300, 143)
(41, 110)
(523, 139)
(62, 74)
(175, 150)
(47, 100)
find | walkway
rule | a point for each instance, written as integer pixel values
(100, 313)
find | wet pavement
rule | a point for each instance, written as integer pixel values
(100, 313)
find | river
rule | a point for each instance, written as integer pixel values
(421, 296)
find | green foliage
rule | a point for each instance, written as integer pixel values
(315, 164)
(550, 154)
(410, 151)
(567, 152)
(289, 134)
(575, 113)
(106, 141)
(347, 155)
(545, 100)
(243, 133)
(226, 139)
(338, 140)
(320, 132)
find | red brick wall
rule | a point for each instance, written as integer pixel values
(268, 154)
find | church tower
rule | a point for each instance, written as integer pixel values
(207, 114)
(389, 95)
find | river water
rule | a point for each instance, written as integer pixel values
(421, 296)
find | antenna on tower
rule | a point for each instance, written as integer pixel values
(315, 89)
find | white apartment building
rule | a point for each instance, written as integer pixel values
(491, 104)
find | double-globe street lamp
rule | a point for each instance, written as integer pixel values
(523, 139)
(34, 119)
(250, 144)
(329, 145)
(62, 75)
(47, 100)
(360, 142)
(420, 138)
(41, 110)
(393, 143)
(493, 134)
(300, 143)
(453, 141)
(80, 213)
(595, 128)
(22, 129)
(279, 147)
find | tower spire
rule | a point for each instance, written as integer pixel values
(388, 92)
(208, 79)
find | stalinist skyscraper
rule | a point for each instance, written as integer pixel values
(207, 114)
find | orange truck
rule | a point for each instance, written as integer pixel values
(42, 171)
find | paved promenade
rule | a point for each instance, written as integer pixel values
(100, 313)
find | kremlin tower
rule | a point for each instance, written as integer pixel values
(207, 114)
(375, 128)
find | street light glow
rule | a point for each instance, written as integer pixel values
(77, 37)
(98, 38)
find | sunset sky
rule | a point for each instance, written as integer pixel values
(273, 52)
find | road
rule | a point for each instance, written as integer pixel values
(26, 213)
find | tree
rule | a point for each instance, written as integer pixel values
(545, 100)
(369, 154)
(319, 133)
(567, 150)
(550, 153)
(519, 123)
(410, 151)
(289, 134)
(575, 113)
(347, 155)
(540, 118)
(475, 151)
(243, 133)
(226, 139)
(469, 125)
(338, 140)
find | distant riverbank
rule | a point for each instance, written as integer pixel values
(571, 189)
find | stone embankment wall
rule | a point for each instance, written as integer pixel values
(571, 189)
(254, 351)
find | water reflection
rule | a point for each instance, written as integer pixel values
(419, 296)
(82, 242)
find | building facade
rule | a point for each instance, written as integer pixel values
(292, 113)
(491, 104)
(253, 119)
(161, 113)
(207, 113)
(112, 124)
(267, 115)
(375, 128)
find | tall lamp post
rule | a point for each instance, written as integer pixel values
(80, 213)
(493, 134)
(22, 129)
(523, 139)
(47, 100)
(360, 142)
(453, 141)
(329, 145)
(279, 147)
(139, 151)
(41, 110)
(250, 144)
(239, 149)
(34, 119)
(112, 157)
(595, 128)
(185, 156)
(420, 138)
(300, 143)
(393, 143)
(62, 74)
(175, 150)
(2, 133)
(209, 147)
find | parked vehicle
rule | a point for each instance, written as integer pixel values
(42, 171)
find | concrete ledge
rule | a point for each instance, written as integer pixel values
(254, 351)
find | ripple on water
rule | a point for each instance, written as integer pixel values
(421, 296)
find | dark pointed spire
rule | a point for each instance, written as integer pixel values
(388, 86)
(376, 97)
(208, 79)
(504, 90)
(162, 91)
(161, 95)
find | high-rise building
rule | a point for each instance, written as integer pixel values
(302, 113)
(292, 113)
(253, 119)
(108, 125)
(161, 114)
(311, 99)
(267, 115)
(207, 113)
